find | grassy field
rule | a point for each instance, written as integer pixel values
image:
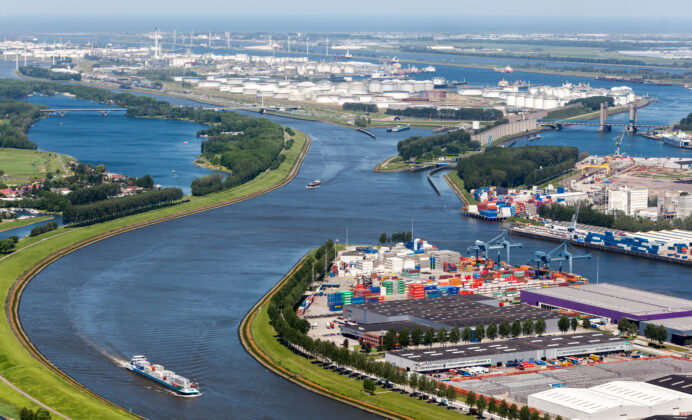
(22, 165)
(303, 372)
(393, 164)
(28, 373)
(459, 184)
(22, 222)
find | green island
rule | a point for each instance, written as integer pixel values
(21, 364)
(260, 338)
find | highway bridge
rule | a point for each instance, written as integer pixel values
(63, 111)
(631, 126)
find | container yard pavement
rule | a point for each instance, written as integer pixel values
(20, 361)
(259, 339)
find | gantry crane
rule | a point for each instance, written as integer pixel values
(499, 242)
(560, 253)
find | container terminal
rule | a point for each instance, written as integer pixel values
(375, 291)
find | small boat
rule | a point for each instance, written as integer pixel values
(314, 184)
(173, 171)
(185, 142)
(398, 128)
(534, 137)
(158, 374)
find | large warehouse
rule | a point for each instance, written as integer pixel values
(449, 311)
(617, 400)
(492, 353)
(610, 301)
(679, 329)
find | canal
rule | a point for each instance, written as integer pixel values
(177, 291)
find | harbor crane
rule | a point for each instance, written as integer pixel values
(499, 242)
(560, 253)
(618, 142)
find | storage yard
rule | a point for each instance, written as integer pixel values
(371, 292)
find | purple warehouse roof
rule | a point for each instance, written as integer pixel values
(611, 301)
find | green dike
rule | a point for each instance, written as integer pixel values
(35, 375)
(459, 188)
(259, 339)
(22, 222)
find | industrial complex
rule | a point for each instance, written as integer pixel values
(373, 293)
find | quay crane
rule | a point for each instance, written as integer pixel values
(499, 242)
(560, 253)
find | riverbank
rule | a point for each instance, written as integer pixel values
(457, 185)
(21, 362)
(259, 339)
(22, 222)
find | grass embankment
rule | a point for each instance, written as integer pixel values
(522, 220)
(393, 164)
(22, 222)
(258, 338)
(459, 188)
(21, 363)
(23, 165)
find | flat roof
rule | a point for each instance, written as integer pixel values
(683, 324)
(505, 346)
(680, 383)
(640, 392)
(618, 298)
(386, 326)
(580, 399)
(457, 310)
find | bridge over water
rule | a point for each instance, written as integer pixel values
(631, 126)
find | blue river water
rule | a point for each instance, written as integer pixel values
(177, 291)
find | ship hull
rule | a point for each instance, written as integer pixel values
(160, 382)
(676, 143)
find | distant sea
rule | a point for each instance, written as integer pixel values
(337, 23)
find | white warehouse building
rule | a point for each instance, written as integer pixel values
(617, 400)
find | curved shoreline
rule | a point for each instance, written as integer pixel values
(253, 350)
(12, 300)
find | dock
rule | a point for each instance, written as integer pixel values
(366, 132)
(481, 217)
(535, 234)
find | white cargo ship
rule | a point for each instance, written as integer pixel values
(679, 139)
(158, 374)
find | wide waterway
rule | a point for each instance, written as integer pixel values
(177, 291)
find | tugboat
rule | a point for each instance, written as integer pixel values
(314, 184)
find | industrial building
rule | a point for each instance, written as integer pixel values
(610, 301)
(612, 400)
(679, 329)
(494, 353)
(628, 200)
(450, 311)
(682, 383)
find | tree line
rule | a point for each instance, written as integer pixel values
(96, 193)
(15, 119)
(396, 237)
(467, 114)
(46, 73)
(593, 102)
(512, 167)
(38, 230)
(590, 216)
(685, 124)
(120, 206)
(652, 332)
(430, 147)
(358, 107)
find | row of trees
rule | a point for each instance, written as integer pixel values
(38, 230)
(475, 114)
(396, 237)
(505, 329)
(451, 143)
(96, 193)
(120, 206)
(511, 167)
(590, 216)
(503, 409)
(358, 107)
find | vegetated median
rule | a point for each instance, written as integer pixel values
(20, 361)
(259, 337)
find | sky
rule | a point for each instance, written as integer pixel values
(614, 9)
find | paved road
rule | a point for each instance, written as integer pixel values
(11, 385)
